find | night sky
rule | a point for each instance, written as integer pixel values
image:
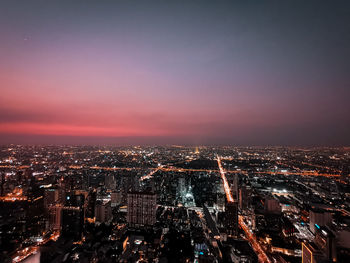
(175, 72)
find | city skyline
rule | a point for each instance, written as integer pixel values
(175, 73)
(174, 204)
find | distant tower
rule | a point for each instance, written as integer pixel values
(197, 150)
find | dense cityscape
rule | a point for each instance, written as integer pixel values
(174, 204)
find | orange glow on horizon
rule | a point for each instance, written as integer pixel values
(79, 130)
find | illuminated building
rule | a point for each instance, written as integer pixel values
(310, 253)
(51, 196)
(55, 217)
(325, 240)
(322, 249)
(103, 211)
(288, 228)
(141, 208)
(116, 198)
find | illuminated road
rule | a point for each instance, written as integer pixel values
(308, 173)
(24, 253)
(12, 198)
(224, 180)
(175, 169)
(303, 173)
(15, 167)
(162, 168)
(252, 239)
(28, 251)
(322, 167)
(256, 246)
(148, 176)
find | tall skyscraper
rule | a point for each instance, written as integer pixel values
(233, 182)
(110, 182)
(322, 249)
(91, 203)
(103, 211)
(272, 205)
(116, 198)
(231, 218)
(51, 196)
(73, 217)
(244, 197)
(310, 253)
(55, 217)
(319, 218)
(142, 208)
(325, 240)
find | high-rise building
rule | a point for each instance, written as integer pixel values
(231, 218)
(244, 197)
(325, 240)
(272, 205)
(55, 217)
(116, 198)
(2, 184)
(322, 249)
(319, 218)
(91, 203)
(288, 228)
(51, 197)
(181, 189)
(233, 182)
(110, 182)
(103, 211)
(73, 217)
(310, 253)
(142, 208)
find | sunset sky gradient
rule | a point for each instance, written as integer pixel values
(163, 72)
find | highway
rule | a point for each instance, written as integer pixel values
(176, 169)
(250, 236)
(28, 251)
(225, 182)
(148, 176)
(255, 244)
